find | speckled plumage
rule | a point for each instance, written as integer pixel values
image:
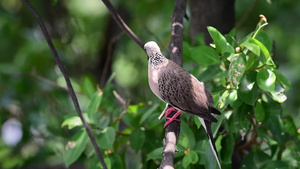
(175, 86)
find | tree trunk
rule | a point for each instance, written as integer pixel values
(216, 13)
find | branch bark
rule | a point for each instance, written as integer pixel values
(122, 24)
(67, 79)
(175, 49)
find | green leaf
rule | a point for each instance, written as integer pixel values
(190, 158)
(223, 102)
(88, 87)
(232, 32)
(227, 148)
(252, 62)
(280, 97)
(238, 122)
(104, 121)
(107, 162)
(275, 164)
(197, 122)
(155, 154)
(260, 25)
(200, 148)
(210, 159)
(148, 113)
(265, 39)
(262, 48)
(216, 97)
(255, 160)
(290, 126)
(132, 109)
(248, 90)
(106, 138)
(186, 49)
(94, 104)
(215, 126)
(281, 79)
(252, 47)
(184, 141)
(275, 126)
(77, 144)
(260, 111)
(234, 100)
(137, 139)
(116, 161)
(266, 80)
(204, 55)
(236, 70)
(220, 41)
(186, 131)
(71, 122)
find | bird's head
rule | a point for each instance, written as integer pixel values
(151, 48)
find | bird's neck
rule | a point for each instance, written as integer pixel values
(157, 59)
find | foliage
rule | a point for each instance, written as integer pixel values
(243, 75)
(247, 92)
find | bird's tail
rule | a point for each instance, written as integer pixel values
(207, 126)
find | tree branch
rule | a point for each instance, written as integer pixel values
(67, 79)
(175, 49)
(122, 24)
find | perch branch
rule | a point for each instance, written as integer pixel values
(175, 49)
(67, 79)
(122, 24)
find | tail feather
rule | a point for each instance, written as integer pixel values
(215, 111)
(207, 126)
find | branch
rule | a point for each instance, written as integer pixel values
(175, 49)
(69, 85)
(122, 24)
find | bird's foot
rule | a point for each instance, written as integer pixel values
(170, 119)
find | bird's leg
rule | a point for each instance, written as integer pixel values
(170, 119)
(163, 112)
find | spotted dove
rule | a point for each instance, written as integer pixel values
(178, 88)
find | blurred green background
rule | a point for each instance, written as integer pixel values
(33, 95)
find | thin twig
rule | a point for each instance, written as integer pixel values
(122, 24)
(120, 99)
(69, 85)
(109, 56)
(124, 104)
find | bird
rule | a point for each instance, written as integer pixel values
(180, 89)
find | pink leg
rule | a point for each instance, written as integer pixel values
(170, 119)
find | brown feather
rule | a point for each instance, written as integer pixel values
(183, 91)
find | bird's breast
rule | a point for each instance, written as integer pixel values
(153, 76)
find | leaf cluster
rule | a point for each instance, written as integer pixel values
(247, 87)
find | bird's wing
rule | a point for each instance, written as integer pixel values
(183, 91)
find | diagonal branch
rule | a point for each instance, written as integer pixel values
(69, 85)
(122, 24)
(175, 49)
